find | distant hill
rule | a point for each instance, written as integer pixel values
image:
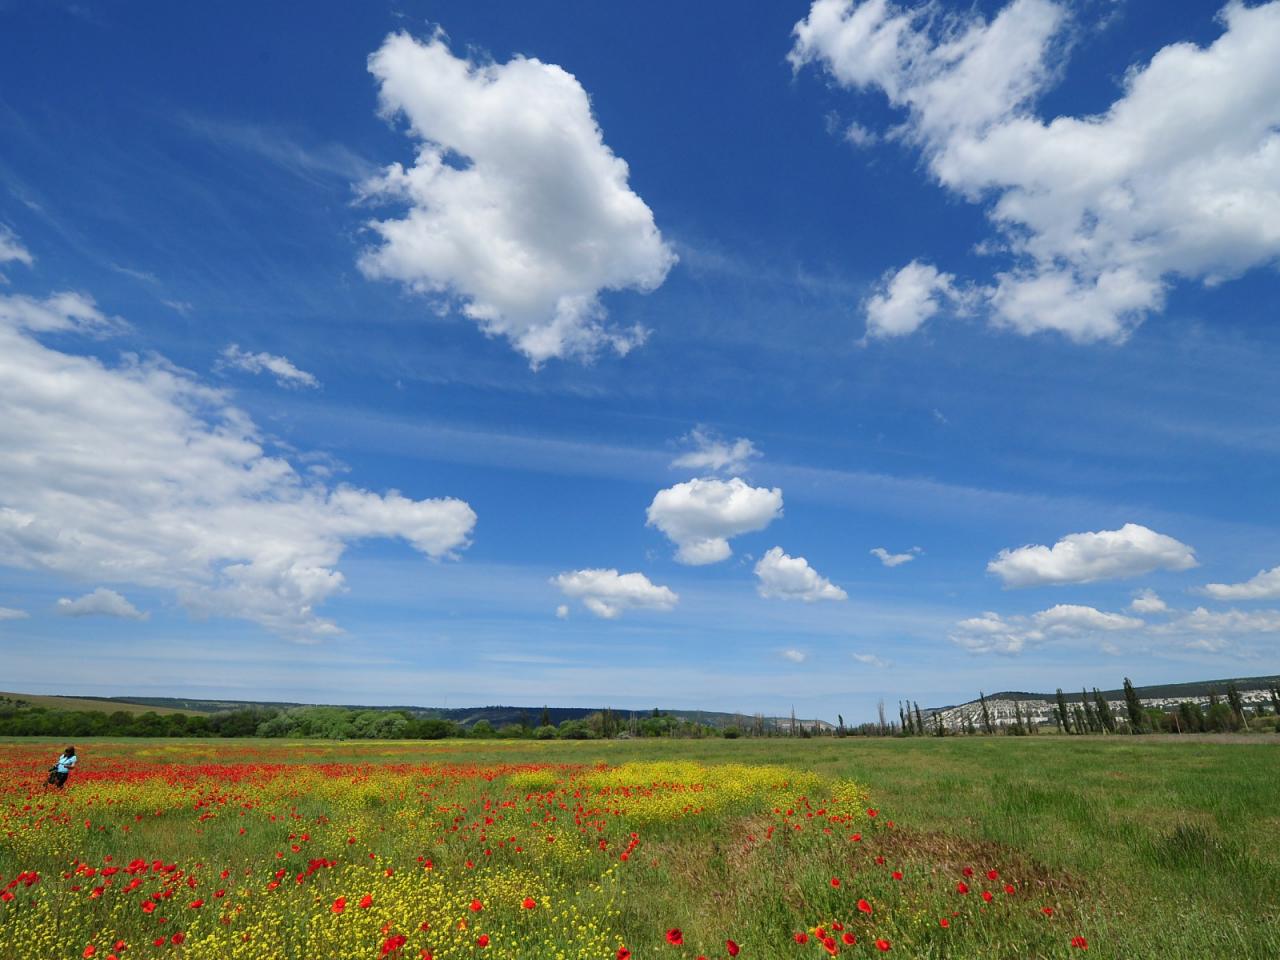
(497, 716)
(1164, 691)
(103, 704)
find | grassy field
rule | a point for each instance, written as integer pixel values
(80, 703)
(1144, 848)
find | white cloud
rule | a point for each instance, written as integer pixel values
(860, 136)
(871, 660)
(140, 474)
(791, 578)
(11, 248)
(714, 454)
(100, 603)
(794, 655)
(992, 633)
(1148, 601)
(1099, 214)
(562, 611)
(895, 559)
(1074, 618)
(1264, 586)
(699, 516)
(59, 313)
(606, 593)
(282, 368)
(515, 204)
(9, 613)
(1086, 557)
(904, 300)
(1201, 620)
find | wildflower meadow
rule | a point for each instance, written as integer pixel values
(336, 851)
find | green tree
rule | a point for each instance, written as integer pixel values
(919, 721)
(987, 726)
(1107, 718)
(1237, 703)
(1133, 706)
(1064, 715)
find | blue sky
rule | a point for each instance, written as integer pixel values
(651, 293)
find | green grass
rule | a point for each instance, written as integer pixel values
(1152, 848)
(83, 704)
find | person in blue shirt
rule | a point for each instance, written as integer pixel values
(62, 769)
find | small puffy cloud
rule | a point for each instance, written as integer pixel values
(282, 368)
(711, 453)
(1148, 601)
(11, 248)
(1201, 620)
(992, 633)
(699, 516)
(794, 655)
(1098, 215)
(139, 473)
(791, 578)
(895, 559)
(562, 611)
(100, 603)
(1264, 586)
(65, 312)
(1074, 618)
(607, 593)
(904, 300)
(9, 613)
(514, 204)
(871, 660)
(1086, 557)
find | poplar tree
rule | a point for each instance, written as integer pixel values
(1104, 711)
(986, 714)
(1064, 715)
(919, 719)
(1090, 715)
(1237, 702)
(1134, 707)
(1018, 729)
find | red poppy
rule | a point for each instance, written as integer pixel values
(835, 881)
(986, 896)
(993, 874)
(864, 906)
(89, 951)
(196, 904)
(801, 938)
(732, 947)
(1080, 942)
(897, 874)
(944, 923)
(365, 902)
(1047, 911)
(1008, 888)
(482, 940)
(848, 939)
(872, 813)
(339, 905)
(882, 944)
(476, 906)
(675, 937)
(962, 887)
(177, 938)
(623, 954)
(528, 903)
(148, 906)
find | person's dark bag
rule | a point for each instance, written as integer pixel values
(53, 776)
